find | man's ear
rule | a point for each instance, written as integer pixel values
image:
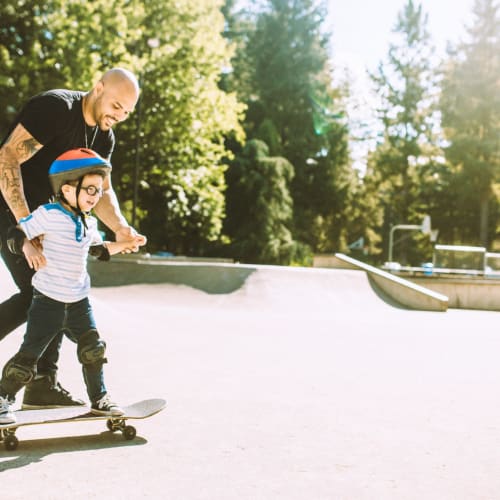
(99, 87)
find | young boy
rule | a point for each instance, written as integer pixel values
(61, 283)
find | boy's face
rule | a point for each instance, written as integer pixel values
(90, 192)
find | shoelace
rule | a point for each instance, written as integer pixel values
(59, 388)
(4, 404)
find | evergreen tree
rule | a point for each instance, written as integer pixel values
(406, 85)
(470, 105)
(282, 74)
(260, 207)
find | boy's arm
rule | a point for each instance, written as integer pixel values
(19, 244)
(107, 248)
(35, 258)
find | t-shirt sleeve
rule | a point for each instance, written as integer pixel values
(34, 224)
(45, 116)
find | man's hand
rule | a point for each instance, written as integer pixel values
(35, 258)
(130, 236)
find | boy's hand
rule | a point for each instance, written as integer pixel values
(38, 242)
(35, 258)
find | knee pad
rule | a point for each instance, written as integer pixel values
(91, 349)
(19, 371)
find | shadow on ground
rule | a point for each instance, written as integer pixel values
(207, 278)
(35, 450)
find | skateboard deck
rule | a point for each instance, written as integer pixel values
(139, 410)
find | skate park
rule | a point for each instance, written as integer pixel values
(280, 382)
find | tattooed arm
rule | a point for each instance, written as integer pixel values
(19, 147)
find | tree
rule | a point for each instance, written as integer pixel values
(470, 105)
(281, 72)
(260, 207)
(183, 120)
(57, 44)
(406, 86)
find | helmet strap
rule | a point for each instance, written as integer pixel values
(78, 211)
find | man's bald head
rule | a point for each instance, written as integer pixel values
(121, 76)
(112, 99)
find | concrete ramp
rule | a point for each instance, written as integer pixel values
(275, 286)
(398, 289)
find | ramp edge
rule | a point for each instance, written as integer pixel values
(403, 291)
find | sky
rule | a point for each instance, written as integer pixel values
(361, 33)
(362, 28)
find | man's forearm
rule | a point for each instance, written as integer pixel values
(19, 147)
(11, 184)
(108, 211)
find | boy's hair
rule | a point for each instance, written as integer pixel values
(73, 165)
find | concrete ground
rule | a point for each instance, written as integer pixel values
(301, 384)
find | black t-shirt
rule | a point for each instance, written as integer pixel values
(55, 120)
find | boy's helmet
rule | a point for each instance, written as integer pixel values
(73, 165)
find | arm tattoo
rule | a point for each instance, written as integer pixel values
(19, 147)
(27, 148)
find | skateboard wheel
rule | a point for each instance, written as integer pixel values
(111, 426)
(11, 443)
(129, 432)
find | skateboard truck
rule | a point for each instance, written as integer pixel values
(119, 424)
(10, 441)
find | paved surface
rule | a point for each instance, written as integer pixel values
(301, 384)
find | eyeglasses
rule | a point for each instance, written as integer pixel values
(92, 190)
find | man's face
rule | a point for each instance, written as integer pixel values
(113, 104)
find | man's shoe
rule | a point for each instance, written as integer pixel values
(105, 406)
(6, 414)
(46, 392)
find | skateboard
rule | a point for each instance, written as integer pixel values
(139, 410)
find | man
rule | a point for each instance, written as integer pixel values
(50, 124)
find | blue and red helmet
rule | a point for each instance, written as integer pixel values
(72, 165)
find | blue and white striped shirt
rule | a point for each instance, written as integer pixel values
(65, 246)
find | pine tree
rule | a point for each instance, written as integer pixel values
(470, 105)
(406, 85)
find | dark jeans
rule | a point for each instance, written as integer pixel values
(14, 311)
(46, 318)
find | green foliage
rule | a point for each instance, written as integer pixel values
(406, 84)
(281, 72)
(470, 106)
(198, 61)
(259, 207)
(57, 43)
(184, 117)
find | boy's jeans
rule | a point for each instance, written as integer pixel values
(47, 318)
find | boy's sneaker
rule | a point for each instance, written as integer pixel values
(105, 406)
(47, 392)
(6, 414)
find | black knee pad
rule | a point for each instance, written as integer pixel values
(91, 349)
(18, 371)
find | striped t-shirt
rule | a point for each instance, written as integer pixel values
(65, 246)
